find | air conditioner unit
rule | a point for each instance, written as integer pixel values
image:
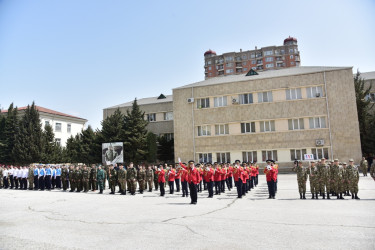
(317, 95)
(190, 100)
(234, 101)
(319, 142)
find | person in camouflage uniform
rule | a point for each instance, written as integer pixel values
(1, 177)
(112, 179)
(79, 179)
(314, 184)
(141, 179)
(345, 180)
(64, 177)
(105, 178)
(72, 179)
(323, 177)
(101, 178)
(364, 166)
(156, 180)
(131, 177)
(121, 176)
(341, 181)
(335, 178)
(372, 171)
(30, 177)
(353, 177)
(85, 178)
(301, 179)
(149, 178)
(93, 177)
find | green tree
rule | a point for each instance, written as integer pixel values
(364, 117)
(113, 128)
(49, 145)
(151, 147)
(91, 150)
(165, 149)
(135, 143)
(8, 136)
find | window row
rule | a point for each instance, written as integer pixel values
(267, 96)
(58, 126)
(299, 154)
(167, 116)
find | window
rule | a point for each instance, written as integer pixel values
(223, 157)
(371, 97)
(248, 127)
(319, 153)
(269, 65)
(69, 128)
(168, 136)
(265, 96)
(296, 124)
(246, 98)
(267, 126)
(220, 101)
(291, 63)
(205, 157)
(168, 116)
(151, 117)
(222, 129)
(204, 130)
(293, 94)
(58, 127)
(203, 103)
(269, 155)
(252, 55)
(229, 65)
(229, 58)
(291, 56)
(209, 62)
(297, 154)
(268, 52)
(253, 62)
(269, 59)
(244, 63)
(228, 71)
(244, 69)
(317, 122)
(244, 57)
(313, 92)
(209, 68)
(291, 51)
(249, 156)
(46, 123)
(58, 141)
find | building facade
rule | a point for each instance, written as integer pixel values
(265, 58)
(158, 112)
(63, 125)
(278, 114)
(369, 78)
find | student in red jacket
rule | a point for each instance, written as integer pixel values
(257, 174)
(193, 180)
(271, 179)
(229, 176)
(217, 178)
(171, 179)
(184, 182)
(208, 177)
(237, 173)
(161, 179)
(245, 179)
(177, 178)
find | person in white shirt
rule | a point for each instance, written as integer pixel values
(10, 176)
(15, 177)
(25, 173)
(19, 177)
(5, 177)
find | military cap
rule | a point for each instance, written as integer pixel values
(344, 163)
(322, 158)
(351, 160)
(312, 161)
(237, 161)
(336, 160)
(191, 161)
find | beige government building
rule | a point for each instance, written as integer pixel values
(279, 114)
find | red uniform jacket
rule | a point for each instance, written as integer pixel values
(230, 171)
(237, 174)
(193, 174)
(217, 176)
(161, 176)
(178, 174)
(223, 174)
(171, 175)
(184, 175)
(245, 176)
(208, 175)
(270, 174)
(253, 171)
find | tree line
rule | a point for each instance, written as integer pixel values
(23, 140)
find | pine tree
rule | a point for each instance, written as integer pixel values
(165, 149)
(364, 117)
(74, 149)
(8, 136)
(49, 145)
(112, 128)
(91, 150)
(151, 147)
(135, 144)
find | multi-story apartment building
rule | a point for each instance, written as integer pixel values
(158, 111)
(265, 58)
(63, 125)
(277, 114)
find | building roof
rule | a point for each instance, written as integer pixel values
(145, 101)
(263, 75)
(368, 75)
(47, 111)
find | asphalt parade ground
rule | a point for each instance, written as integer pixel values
(63, 220)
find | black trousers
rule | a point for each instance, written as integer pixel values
(276, 186)
(200, 186)
(48, 182)
(222, 186)
(228, 184)
(239, 188)
(41, 182)
(11, 181)
(256, 180)
(271, 188)
(5, 182)
(210, 187)
(15, 180)
(58, 181)
(217, 187)
(53, 181)
(185, 190)
(244, 187)
(24, 180)
(177, 185)
(36, 182)
(171, 187)
(162, 191)
(230, 181)
(193, 192)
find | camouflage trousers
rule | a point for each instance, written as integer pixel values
(101, 184)
(141, 185)
(112, 185)
(335, 186)
(93, 184)
(345, 186)
(64, 183)
(31, 182)
(79, 185)
(73, 185)
(302, 186)
(353, 186)
(122, 185)
(132, 184)
(313, 186)
(364, 170)
(85, 185)
(149, 184)
(1, 181)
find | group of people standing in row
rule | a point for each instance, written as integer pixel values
(332, 178)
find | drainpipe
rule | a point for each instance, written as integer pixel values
(192, 114)
(329, 121)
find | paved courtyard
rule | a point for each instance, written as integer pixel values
(59, 220)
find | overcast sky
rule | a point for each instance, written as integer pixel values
(80, 56)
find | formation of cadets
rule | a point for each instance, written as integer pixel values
(332, 178)
(326, 179)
